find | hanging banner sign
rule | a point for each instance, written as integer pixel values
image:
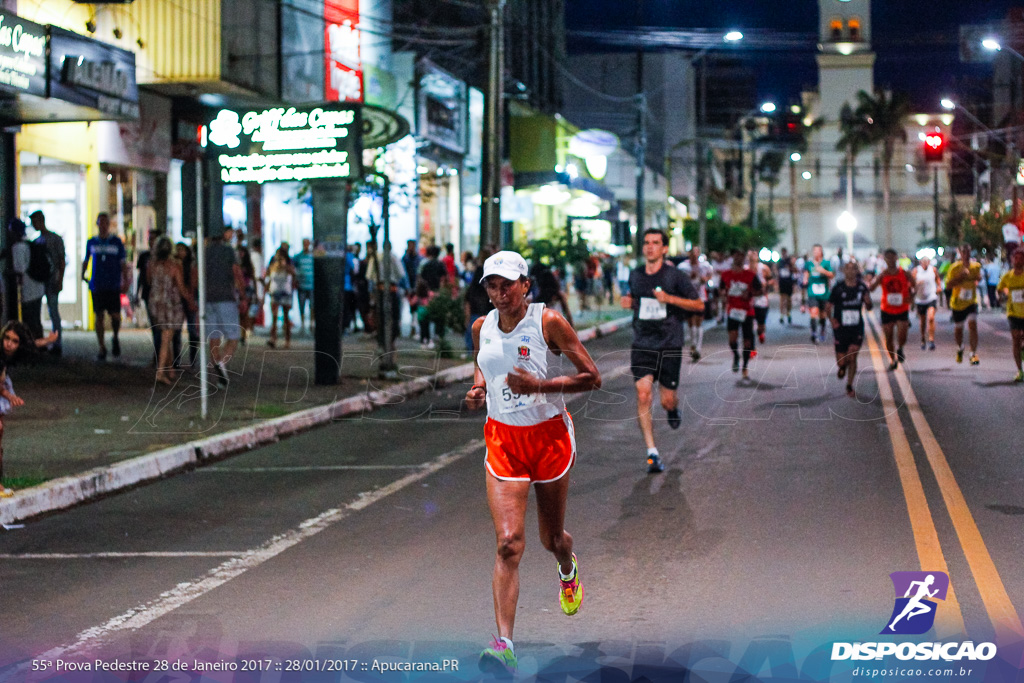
(343, 80)
(284, 144)
(22, 55)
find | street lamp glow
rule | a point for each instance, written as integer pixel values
(795, 156)
(768, 107)
(806, 175)
(846, 222)
(948, 104)
(733, 36)
(991, 44)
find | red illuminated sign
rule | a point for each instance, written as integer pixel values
(343, 80)
(934, 146)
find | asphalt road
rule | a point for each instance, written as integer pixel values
(771, 535)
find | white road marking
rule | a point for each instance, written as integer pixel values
(114, 555)
(306, 468)
(186, 592)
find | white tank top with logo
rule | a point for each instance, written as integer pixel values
(926, 288)
(524, 347)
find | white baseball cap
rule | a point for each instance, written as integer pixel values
(507, 264)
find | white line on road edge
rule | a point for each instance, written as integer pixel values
(115, 555)
(304, 468)
(78, 488)
(186, 592)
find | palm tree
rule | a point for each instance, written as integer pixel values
(884, 115)
(768, 168)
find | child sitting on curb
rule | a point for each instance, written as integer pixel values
(8, 400)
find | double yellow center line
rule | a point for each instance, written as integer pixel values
(949, 621)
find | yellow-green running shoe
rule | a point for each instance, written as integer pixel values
(1019, 377)
(498, 659)
(570, 595)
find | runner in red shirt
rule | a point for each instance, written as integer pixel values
(896, 287)
(738, 289)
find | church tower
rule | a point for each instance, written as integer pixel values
(845, 60)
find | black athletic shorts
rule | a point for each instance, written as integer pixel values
(786, 288)
(890, 318)
(108, 301)
(747, 326)
(845, 337)
(815, 302)
(760, 315)
(960, 316)
(661, 364)
(922, 309)
(1016, 324)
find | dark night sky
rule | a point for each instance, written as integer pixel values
(915, 40)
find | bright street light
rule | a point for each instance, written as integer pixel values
(768, 107)
(991, 44)
(806, 175)
(733, 36)
(948, 104)
(795, 156)
(847, 223)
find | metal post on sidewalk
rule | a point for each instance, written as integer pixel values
(204, 391)
(387, 361)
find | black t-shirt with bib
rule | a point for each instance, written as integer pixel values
(658, 326)
(846, 304)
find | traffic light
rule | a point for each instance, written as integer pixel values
(934, 147)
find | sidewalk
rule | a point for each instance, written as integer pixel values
(80, 414)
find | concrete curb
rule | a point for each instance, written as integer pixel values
(100, 481)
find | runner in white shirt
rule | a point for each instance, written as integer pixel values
(928, 283)
(760, 302)
(700, 272)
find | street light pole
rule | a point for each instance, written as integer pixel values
(702, 181)
(641, 149)
(490, 225)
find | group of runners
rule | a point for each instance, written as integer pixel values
(529, 434)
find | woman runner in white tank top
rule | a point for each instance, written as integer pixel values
(529, 436)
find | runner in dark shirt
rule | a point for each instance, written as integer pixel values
(844, 309)
(660, 297)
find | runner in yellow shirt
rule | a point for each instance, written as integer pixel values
(1012, 286)
(963, 277)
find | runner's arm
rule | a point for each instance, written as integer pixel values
(559, 335)
(477, 394)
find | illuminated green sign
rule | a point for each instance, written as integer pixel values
(287, 143)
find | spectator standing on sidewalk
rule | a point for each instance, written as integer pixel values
(363, 303)
(58, 259)
(450, 268)
(411, 262)
(30, 289)
(303, 262)
(280, 281)
(248, 304)
(183, 253)
(223, 285)
(142, 264)
(396, 280)
(478, 304)
(431, 268)
(993, 272)
(167, 291)
(111, 276)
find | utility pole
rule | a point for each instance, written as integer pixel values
(641, 148)
(792, 204)
(935, 200)
(490, 225)
(702, 181)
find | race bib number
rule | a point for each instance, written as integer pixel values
(894, 299)
(761, 302)
(737, 288)
(738, 314)
(850, 318)
(966, 295)
(1017, 296)
(511, 403)
(818, 289)
(652, 309)
(784, 272)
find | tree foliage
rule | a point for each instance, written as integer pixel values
(724, 237)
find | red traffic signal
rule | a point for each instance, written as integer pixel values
(934, 146)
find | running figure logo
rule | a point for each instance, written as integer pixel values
(914, 612)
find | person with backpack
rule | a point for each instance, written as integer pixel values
(58, 259)
(33, 270)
